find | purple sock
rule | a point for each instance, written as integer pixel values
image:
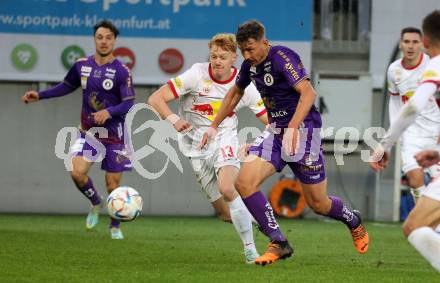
(114, 223)
(89, 191)
(341, 212)
(261, 210)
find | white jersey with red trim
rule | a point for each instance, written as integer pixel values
(432, 72)
(201, 96)
(403, 82)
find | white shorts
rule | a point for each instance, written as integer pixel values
(433, 189)
(411, 146)
(206, 169)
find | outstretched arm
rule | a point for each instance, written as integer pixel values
(117, 110)
(407, 115)
(229, 103)
(159, 101)
(60, 89)
(263, 118)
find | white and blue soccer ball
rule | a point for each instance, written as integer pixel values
(124, 204)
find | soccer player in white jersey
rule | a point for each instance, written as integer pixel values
(404, 76)
(420, 224)
(200, 91)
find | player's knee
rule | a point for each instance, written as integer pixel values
(243, 186)
(408, 227)
(228, 192)
(319, 207)
(415, 182)
(78, 177)
(111, 186)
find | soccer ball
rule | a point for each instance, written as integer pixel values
(124, 204)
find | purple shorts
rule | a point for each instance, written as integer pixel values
(307, 164)
(114, 157)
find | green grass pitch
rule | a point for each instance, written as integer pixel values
(40, 248)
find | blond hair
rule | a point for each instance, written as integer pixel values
(225, 41)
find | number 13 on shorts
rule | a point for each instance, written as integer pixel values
(227, 152)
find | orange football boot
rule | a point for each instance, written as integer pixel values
(275, 251)
(360, 236)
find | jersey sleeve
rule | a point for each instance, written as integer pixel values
(291, 66)
(72, 78)
(393, 108)
(408, 114)
(432, 72)
(253, 101)
(391, 82)
(243, 78)
(126, 85)
(186, 82)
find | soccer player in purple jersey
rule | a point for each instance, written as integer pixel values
(107, 96)
(293, 139)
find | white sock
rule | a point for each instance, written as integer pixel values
(427, 243)
(242, 220)
(417, 193)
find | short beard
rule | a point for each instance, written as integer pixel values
(104, 54)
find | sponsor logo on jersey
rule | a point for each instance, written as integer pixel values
(177, 82)
(203, 109)
(268, 67)
(407, 96)
(284, 56)
(398, 75)
(110, 73)
(97, 74)
(268, 79)
(84, 82)
(107, 84)
(94, 103)
(291, 70)
(86, 69)
(430, 74)
(206, 88)
(269, 102)
(209, 110)
(277, 114)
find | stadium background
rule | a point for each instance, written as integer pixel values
(347, 70)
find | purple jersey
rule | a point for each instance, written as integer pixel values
(275, 79)
(103, 86)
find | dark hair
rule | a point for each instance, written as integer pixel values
(250, 29)
(410, 30)
(106, 24)
(431, 25)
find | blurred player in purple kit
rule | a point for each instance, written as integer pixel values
(293, 139)
(107, 96)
